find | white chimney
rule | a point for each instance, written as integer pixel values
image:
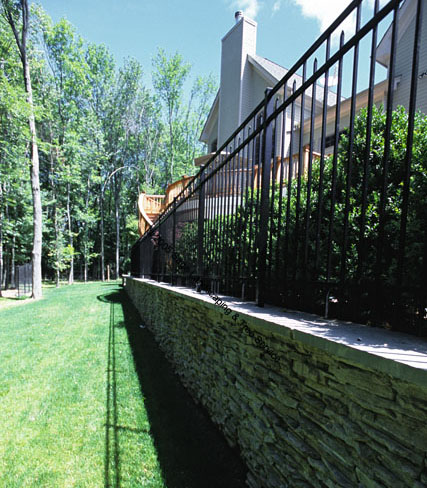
(234, 85)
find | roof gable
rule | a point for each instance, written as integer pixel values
(406, 14)
(210, 120)
(270, 71)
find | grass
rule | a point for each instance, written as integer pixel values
(88, 400)
(6, 302)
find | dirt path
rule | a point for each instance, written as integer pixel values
(10, 298)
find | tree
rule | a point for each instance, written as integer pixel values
(183, 119)
(99, 137)
(168, 80)
(100, 76)
(66, 58)
(18, 13)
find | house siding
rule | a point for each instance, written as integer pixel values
(213, 135)
(257, 86)
(404, 56)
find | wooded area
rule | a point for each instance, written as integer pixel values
(94, 135)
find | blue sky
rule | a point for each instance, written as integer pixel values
(136, 28)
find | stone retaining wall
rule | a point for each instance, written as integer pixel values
(324, 414)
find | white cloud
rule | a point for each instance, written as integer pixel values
(250, 8)
(326, 11)
(276, 6)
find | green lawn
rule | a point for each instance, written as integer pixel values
(87, 400)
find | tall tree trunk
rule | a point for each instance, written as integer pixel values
(12, 264)
(57, 250)
(1, 239)
(6, 253)
(57, 244)
(117, 215)
(70, 238)
(6, 263)
(171, 154)
(102, 236)
(21, 42)
(85, 270)
(54, 208)
(86, 246)
(35, 188)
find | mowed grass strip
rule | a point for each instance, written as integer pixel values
(71, 409)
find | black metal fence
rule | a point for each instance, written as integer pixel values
(23, 277)
(289, 214)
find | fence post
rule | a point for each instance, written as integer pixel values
(137, 261)
(201, 218)
(144, 269)
(265, 197)
(173, 242)
(158, 255)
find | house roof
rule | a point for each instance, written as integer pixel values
(380, 93)
(272, 73)
(406, 13)
(212, 112)
(268, 68)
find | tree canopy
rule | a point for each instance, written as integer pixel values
(103, 136)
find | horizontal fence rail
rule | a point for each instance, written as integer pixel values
(317, 202)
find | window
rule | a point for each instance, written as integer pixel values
(330, 140)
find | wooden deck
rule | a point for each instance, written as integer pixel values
(232, 179)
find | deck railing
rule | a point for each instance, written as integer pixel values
(340, 232)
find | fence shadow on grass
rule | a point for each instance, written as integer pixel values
(191, 451)
(112, 449)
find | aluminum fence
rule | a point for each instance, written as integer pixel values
(288, 214)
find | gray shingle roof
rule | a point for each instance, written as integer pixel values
(277, 72)
(274, 69)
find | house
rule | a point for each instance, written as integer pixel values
(404, 55)
(245, 76)
(401, 82)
